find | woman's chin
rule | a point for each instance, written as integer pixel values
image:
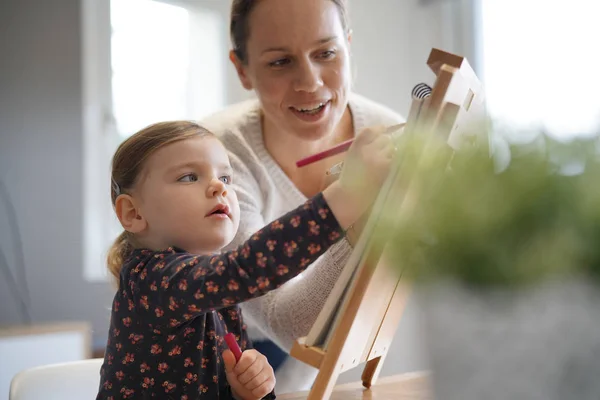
(313, 133)
(312, 130)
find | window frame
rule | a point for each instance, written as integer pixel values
(100, 135)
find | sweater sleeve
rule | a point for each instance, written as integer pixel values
(174, 287)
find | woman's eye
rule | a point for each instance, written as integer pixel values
(279, 63)
(226, 179)
(328, 54)
(188, 178)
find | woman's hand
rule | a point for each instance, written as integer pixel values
(252, 377)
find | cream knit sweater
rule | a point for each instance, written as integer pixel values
(265, 193)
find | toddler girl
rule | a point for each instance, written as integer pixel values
(178, 294)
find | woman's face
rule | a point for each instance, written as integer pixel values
(298, 64)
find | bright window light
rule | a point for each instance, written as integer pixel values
(540, 64)
(144, 61)
(166, 63)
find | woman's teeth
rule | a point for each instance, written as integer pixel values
(312, 110)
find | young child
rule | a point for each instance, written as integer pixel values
(177, 294)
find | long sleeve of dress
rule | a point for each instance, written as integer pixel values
(173, 287)
(289, 312)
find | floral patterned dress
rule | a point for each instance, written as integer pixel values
(173, 308)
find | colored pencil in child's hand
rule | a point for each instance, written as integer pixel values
(337, 149)
(233, 346)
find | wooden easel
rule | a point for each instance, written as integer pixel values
(377, 296)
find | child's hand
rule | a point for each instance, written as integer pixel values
(251, 378)
(367, 161)
(366, 166)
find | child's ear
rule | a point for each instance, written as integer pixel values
(129, 214)
(240, 68)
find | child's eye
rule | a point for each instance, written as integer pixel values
(226, 179)
(188, 178)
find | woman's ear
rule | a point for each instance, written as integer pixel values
(129, 214)
(240, 68)
(349, 37)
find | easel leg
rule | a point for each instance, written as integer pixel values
(323, 385)
(385, 334)
(371, 371)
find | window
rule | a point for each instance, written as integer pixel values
(144, 61)
(166, 63)
(539, 65)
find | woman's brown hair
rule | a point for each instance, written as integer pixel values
(127, 164)
(239, 25)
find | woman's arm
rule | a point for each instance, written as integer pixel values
(174, 287)
(289, 312)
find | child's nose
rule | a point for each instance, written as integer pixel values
(216, 188)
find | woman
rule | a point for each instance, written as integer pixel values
(294, 54)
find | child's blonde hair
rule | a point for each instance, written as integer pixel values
(128, 162)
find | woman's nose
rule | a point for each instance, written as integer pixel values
(217, 188)
(308, 77)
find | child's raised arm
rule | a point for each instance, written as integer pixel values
(172, 287)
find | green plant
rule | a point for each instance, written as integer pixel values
(514, 227)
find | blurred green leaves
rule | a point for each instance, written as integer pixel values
(534, 219)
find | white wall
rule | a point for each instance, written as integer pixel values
(41, 142)
(41, 160)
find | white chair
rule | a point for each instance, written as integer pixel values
(76, 380)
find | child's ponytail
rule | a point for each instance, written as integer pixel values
(118, 252)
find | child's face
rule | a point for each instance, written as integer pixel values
(186, 198)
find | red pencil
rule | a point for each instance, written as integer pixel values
(337, 149)
(233, 346)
